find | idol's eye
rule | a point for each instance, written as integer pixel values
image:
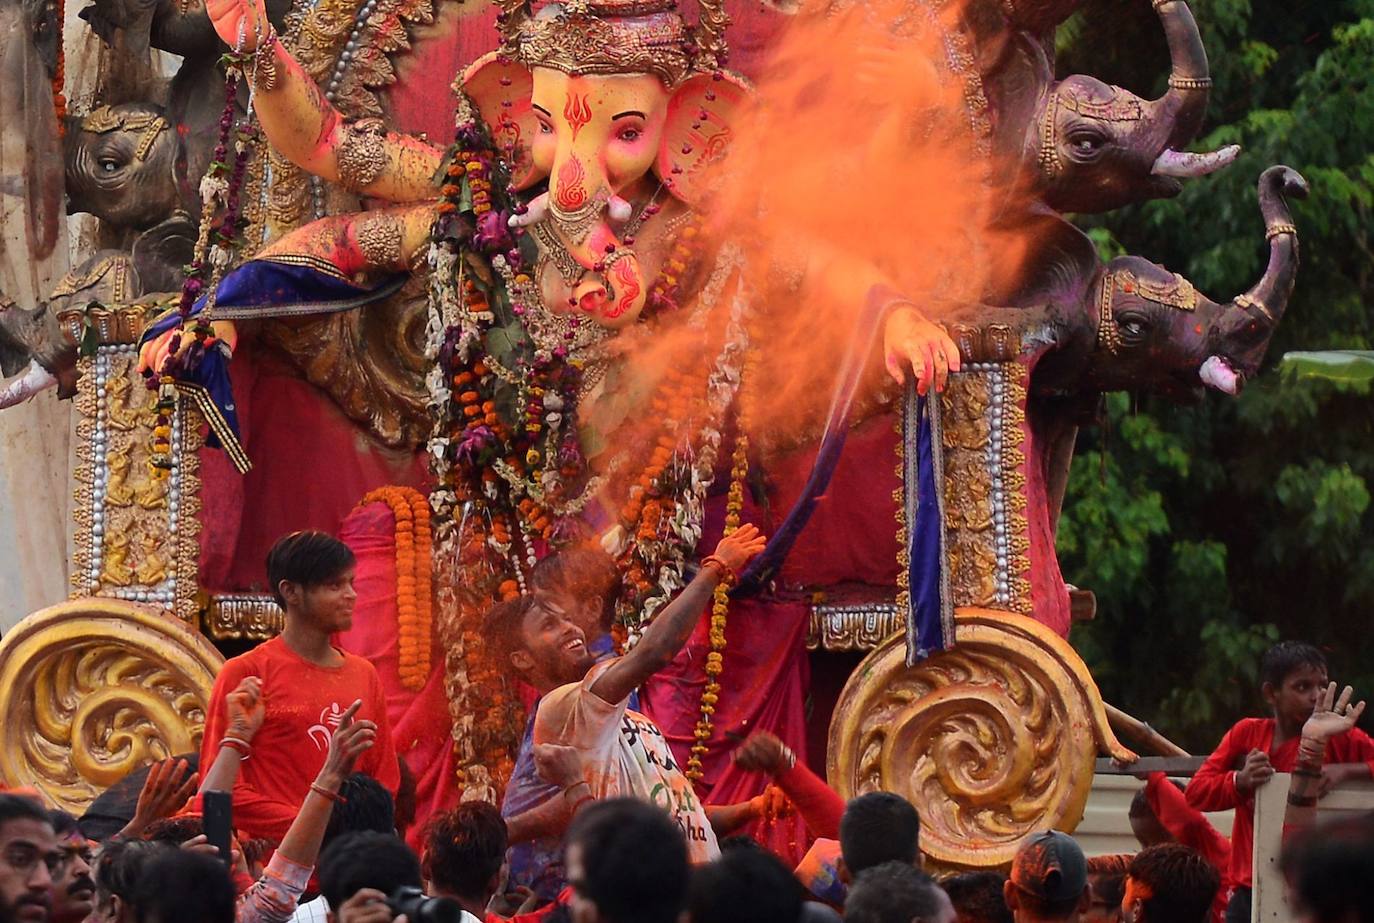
(1133, 327)
(1085, 143)
(545, 128)
(629, 135)
(107, 164)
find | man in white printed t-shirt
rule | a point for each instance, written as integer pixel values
(584, 704)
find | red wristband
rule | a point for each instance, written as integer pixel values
(323, 792)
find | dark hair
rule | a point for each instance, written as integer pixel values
(405, 798)
(175, 830)
(578, 574)
(307, 559)
(1331, 867)
(879, 827)
(464, 849)
(21, 807)
(745, 886)
(366, 859)
(63, 824)
(179, 885)
(1107, 876)
(1182, 884)
(364, 804)
(977, 897)
(503, 627)
(634, 861)
(119, 867)
(1285, 657)
(892, 892)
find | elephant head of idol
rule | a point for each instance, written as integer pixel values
(1093, 147)
(613, 106)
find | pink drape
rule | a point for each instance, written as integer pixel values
(420, 726)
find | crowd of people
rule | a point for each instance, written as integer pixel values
(298, 806)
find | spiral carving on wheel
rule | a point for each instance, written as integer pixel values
(992, 740)
(94, 690)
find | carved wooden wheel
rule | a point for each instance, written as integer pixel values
(992, 741)
(95, 689)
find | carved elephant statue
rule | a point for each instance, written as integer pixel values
(121, 165)
(1133, 325)
(1086, 146)
(42, 342)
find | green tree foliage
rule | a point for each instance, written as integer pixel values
(1209, 531)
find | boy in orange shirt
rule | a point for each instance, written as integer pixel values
(307, 685)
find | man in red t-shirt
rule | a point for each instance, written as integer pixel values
(1294, 677)
(307, 685)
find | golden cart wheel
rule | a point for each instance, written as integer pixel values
(94, 689)
(991, 741)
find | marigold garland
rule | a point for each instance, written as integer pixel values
(720, 607)
(414, 594)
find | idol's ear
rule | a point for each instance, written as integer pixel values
(501, 90)
(699, 128)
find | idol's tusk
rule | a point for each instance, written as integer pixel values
(537, 210)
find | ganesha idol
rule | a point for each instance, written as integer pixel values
(594, 347)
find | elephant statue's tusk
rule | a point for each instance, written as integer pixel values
(619, 209)
(536, 211)
(1186, 165)
(34, 380)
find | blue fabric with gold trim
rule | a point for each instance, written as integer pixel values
(281, 286)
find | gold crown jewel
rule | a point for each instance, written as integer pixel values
(617, 37)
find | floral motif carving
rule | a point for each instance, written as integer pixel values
(991, 741)
(95, 689)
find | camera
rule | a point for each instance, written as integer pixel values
(411, 901)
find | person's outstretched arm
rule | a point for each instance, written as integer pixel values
(274, 896)
(817, 803)
(671, 628)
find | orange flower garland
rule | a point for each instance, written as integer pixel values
(720, 607)
(414, 593)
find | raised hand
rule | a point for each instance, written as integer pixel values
(246, 708)
(1333, 715)
(911, 340)
(763, 752)
(169, 784)
(154, 354)
(740, 547)
(351, 739)
(238, 21)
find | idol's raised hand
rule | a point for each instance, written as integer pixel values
(241, 24)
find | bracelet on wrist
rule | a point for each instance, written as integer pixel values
(724, 571)
(577, 784)
(1302, 801)
(244, 748)
(325, 793)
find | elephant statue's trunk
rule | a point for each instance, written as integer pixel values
(614, 292)
(1189, 78)
(1245, 326)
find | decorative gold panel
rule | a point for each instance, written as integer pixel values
(136, 538)
(991, 741)
(95, 689)
(243, 616)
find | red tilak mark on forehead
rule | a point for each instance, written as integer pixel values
(578, 111)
